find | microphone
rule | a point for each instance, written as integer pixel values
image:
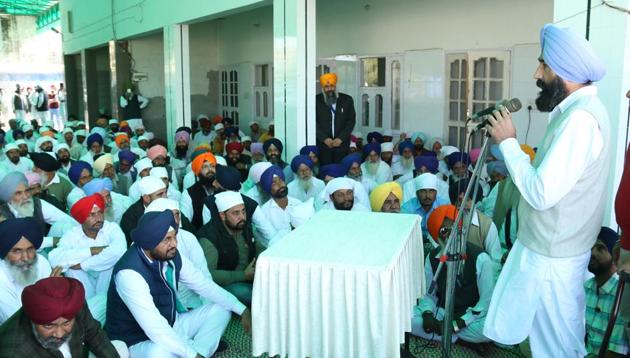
(512, 105)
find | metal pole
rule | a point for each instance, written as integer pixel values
(588, 19)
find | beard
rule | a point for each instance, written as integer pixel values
(330, 97)
(24, 272)
(305, 184)
(110, 213)
(281, 193)
(599, 268)
(207, 181)
(344, 206)
(64, 160)
(181, 151)
(14, 160)
(26, 208)
(357, 177)
(551, 94)
(406, 163)
(235, 227)
(372, 168)
(51, 343)
(168, 255)
(274, 159)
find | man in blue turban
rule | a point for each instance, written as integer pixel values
(373, 167)
(563, 199)
(95, 147)
(273, 152)
(312, 152)
(305, 185)
(329, 172)
(402, 170)
(143, 308)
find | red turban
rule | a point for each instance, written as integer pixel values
(82, 208)
(197, 163)
(434, 223)
(51, 298)
(217, 119)
(234, 146)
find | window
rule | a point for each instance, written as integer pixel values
(263, 74)
(476, 80)
(229, 94)
(373, 72)
(378, 111)
(395, 97)
(365, 110)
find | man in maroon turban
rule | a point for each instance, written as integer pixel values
(54, 319)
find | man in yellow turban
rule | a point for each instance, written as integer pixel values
(335, 119)
(386, 198)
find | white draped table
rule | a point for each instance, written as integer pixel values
(342, 285)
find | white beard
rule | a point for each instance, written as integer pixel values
(306, 185)
(26, 209)
(22, 276)
(406, 163)
(110, 214)
(372, 168)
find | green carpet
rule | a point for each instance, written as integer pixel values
(239, 346)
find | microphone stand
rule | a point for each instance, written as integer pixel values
(454, 252)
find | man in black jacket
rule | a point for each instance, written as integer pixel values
(335, 117)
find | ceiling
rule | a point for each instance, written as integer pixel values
(25, 7)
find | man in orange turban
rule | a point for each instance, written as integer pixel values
(204, 167)
(335, 119)
(54, 318)
(122, 140)
(474, 287)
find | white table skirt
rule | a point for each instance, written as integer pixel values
(342, 285)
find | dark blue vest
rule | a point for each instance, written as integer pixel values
(120, 323)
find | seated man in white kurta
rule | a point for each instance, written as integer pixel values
(340, 195)
(373, 167)
(143, 308)
(20, 264)
(89, 252)
(304, 186)
(474, 289)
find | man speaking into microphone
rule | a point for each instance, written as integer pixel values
(540, 291)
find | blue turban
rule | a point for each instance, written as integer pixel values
(368, 148)
(9, 184)
(428, 161)
(405, 144)
(609, 237)
(75, 170)
(459, 187)
(457, 157)
(299, 160)
(198, 152)
(375, 137)
(496, 152)
(127, 155)
(12, 231)
(94, 137)
(307, 149)
(228, 177)
(230, 131)
(348, 161)
(276, 143)
(332, 170)
(96, 185)
(99, 130)
(497, 166)
(423, 137)
(152, 228)
(266, 179)
(570, 55)
(16, 133)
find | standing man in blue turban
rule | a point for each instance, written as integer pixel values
(540, 291)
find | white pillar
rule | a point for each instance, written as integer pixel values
(294, 73)
(176, 79)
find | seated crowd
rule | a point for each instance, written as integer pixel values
(114, 244)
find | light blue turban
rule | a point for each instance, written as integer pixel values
(415, 135)
(9, 183)
(497, 166)
(570, 55)
(96, 185)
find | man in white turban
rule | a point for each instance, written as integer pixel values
(540, 292)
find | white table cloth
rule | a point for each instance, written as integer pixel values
(344, 285)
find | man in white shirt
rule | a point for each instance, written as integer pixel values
(474, 290)
(304, 186)
(171, 191)
(143, 308)
(563, 199)
(340, 195)
(373, 167)
(277, 210)
(21, 265)
(13, 161)
(403, 169)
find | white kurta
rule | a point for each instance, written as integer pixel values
(296, 190)
(278, 220)
(134, 292)
(188, 245)
(23, 165)
(11, 291)
(383, 173)
(96, 270)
